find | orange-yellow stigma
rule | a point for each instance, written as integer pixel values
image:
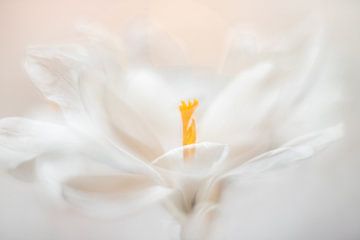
(189, 125)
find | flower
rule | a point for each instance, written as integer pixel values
(121, 146)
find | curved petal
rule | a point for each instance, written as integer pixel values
(112, 195)
(120, 122)
(18, 164)
(288, 155)
(27, 140)
(151, 87)
(93, 79)
(239, 114)
(24, 139)
(54, 169)
(56, 71)
(250, 109)
(205, 159)
(154, 100)
(154, 52)
(189, 83)
(77, 78)
(187, 175)
(144, 86)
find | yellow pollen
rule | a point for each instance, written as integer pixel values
(189, 126)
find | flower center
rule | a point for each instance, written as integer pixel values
(189, 126)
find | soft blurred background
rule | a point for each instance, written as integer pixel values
(324, 204)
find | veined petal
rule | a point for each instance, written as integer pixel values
(299, 149)
(27, 140)
(56, 70)
(113, 195)
(296, 150)
(78, 78)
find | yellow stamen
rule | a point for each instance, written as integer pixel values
(189, 125)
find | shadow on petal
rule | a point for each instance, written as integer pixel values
(112, 195)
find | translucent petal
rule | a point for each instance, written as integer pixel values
(239, 114)
(139, 85)
(78, 78)
(288, 155)
(296, 150)
(119, 121)
(112, 195)
(207, 159)
(187, 175)
(265, 92)
(190, 83)
(54, 169)
(24, 140)
(153, 99)
(56, 71)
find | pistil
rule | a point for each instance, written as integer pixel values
(189, 126)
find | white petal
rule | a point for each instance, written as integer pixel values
(256, 103)
(237, 116)
(78, 78)
(112, 195)
(187, 175)
(118, 120)
(142, 86)
(52, 169)
(189, 83)
(321, 106)
(207, 158)
(55, 168)
(24, 139)
(198, 223)
(299, 149)
(56, 71)
(288, 155)
(153, 99)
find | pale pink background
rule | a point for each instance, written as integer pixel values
(201, 26)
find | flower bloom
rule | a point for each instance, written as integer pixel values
(134, 133)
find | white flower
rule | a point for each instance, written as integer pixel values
(120, 148)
